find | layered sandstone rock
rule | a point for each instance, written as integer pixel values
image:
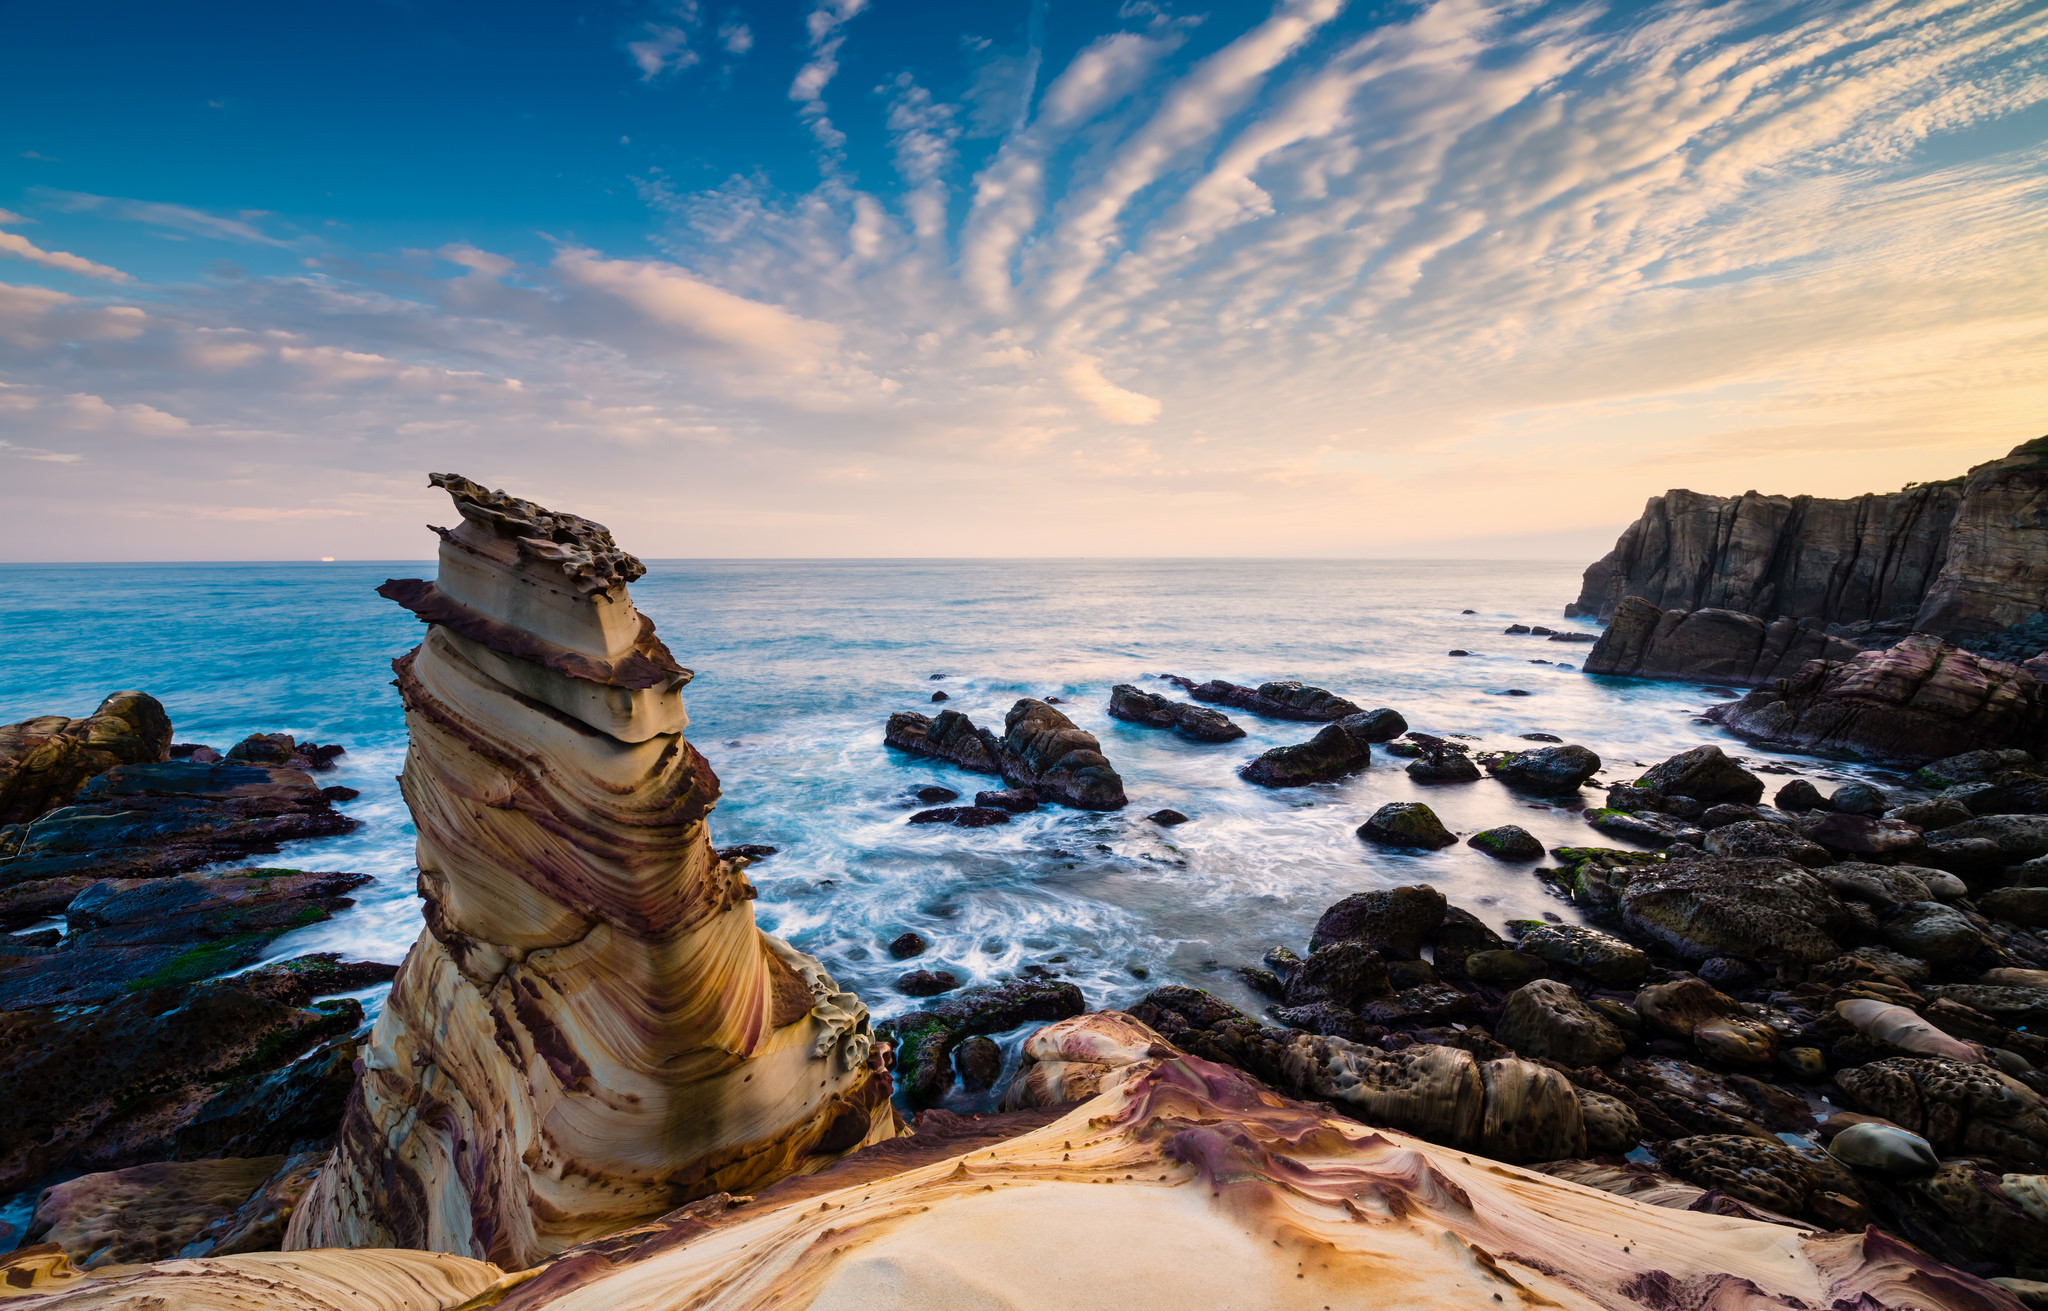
(1725, 646)
(1184, 1185)
(591, 1030)
(1922, 699)
(44, 761)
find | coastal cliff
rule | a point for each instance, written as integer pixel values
(1964, 556)
(591, 1030)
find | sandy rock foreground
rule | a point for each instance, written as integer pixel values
(1187, 1185)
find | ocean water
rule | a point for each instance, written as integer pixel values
(799, 664)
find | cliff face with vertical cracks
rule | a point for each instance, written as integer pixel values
(1956, 558)
(591, 1030)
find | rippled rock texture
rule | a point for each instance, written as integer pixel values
(1922, 699)
(591, 1030)
(1186, 1184)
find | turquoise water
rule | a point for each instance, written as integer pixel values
(798, 665)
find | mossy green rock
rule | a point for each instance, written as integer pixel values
(1507, 842)
(1406, 824)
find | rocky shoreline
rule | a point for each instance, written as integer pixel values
(1798, 1023)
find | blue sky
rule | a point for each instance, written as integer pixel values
(872, 277)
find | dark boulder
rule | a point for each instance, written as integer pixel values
(1331, 754)
(1769, 910)
(1859, 799)
(979, 1062)
(1548, 771)
(1439, 765)
(1041, 749)
(1393, 921)
(962, 816)
(284, 751)
(1278, 700)
(1507, 842)
(1799, 795)
(906, 945)
(926, 983)
(1167, 818)
(1406, 824)
(1758, 838)
(951, 737)
(1707, 775)
(934, 795)
(1133, 705)
(1018, 801)
(1651, 829)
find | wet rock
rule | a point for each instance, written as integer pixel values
(1859, 799)
(1381, 725)
(1343, 973)
(149, 820)
(1018, 801)
(1757, 838)
(283, 750)
(1546, 1020)
(1547, 771)
(1799, 795)
(1504, 968)
(906, 945)
(962, 816)
(1930, 931)
(170, 1209)
(1599, 956)
(1728, 646)
(1763, 1172)
(1859, 835)
(2017, 837)
(1331, 754)
(1530, 1113)
(1727, 813)
(1406, 824)
(1896, 1029)
(926, 983)
(950, 736)
(1884, 960)
(1691, 1010)
(1167, 818)
(1882, 886)
(291, 1110)
(44, 761)
(1960, 1109)
(979, 1062)
(109, 1086)
(1803, 1064)
(1982, 766)
(1041, 749)
(1652, 830)
(129, 934)
(2026, 906)
(1707, 775)
(925, 1039)
(1136, 706)
(1729, 974)
(1393, 921)
(934, 795)
(1921, 699)
(938, 697)
(747, 851)
(1276, 700)
(1765, 910)
(1438, 765)
(1979, 799)
(1507, 842)
(1459, 936)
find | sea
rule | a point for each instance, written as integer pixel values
(799, 664)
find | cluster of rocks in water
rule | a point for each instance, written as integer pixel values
(127, 1053)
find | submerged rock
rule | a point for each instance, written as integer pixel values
(1406, 824)
(1548, 771)
(1340, 749)
(1136, 706)
(1278, 700)
(1507, 842)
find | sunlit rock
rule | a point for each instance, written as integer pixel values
(591, 1030)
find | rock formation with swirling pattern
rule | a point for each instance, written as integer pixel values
(592, 1030)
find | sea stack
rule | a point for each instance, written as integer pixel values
(591, 1030)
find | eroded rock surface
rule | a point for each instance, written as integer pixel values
(592, 1029)
(44, 761)
(1725, 646)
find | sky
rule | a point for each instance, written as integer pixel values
(1020, 278)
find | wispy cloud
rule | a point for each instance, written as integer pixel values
(241, 227)
(21, 247)
(823, 25)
